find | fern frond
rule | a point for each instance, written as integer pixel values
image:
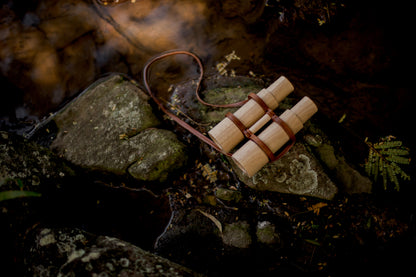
(384, 159)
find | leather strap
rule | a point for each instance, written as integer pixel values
(246, 132)
(238, 124)
(259, 101)
(273, 116)
(288, 131)
(284, 126)
(277, 120)
(250, 135)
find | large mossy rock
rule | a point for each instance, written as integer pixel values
(219, 90)
(111, 127)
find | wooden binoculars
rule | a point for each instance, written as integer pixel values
(252, 117)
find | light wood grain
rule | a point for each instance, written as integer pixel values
(251, 158)
(226, 135)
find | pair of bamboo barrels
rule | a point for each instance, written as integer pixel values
(250, 157)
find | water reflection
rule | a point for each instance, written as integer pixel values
(54, 49)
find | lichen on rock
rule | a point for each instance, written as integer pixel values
(303, 179)
(28, 164)
(218, 90)
(160, 153)
(237, 234)
(223, 96)
(266, 233)
(296, 172)
(111, 127)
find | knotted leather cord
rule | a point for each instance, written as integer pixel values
(247, 133)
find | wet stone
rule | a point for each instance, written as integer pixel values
(349, 178)
(111, 127)
(327, 156)
(237, 234)
(266, 233)
(228, 195)
(192, 239)
(160, 153)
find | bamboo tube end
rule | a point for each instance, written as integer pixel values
(226, 135)
(281, 88)
(304, 109)
(250, 158)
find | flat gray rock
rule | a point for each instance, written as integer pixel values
(297, 172)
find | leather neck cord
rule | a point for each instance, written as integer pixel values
(174, 117)
(246, 132)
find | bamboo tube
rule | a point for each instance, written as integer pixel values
(226, 135)
(260, 123)
(251, 158)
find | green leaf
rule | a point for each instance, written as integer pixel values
(395, 151)
(384, 159)
(12, 194)
(387, 144)
(398, 159)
